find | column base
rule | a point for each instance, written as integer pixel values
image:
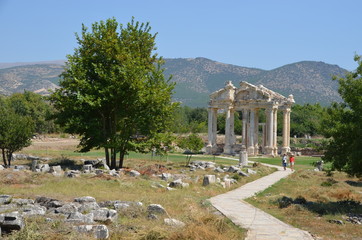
(211, 149)
(270, 151)
(243, 158)
(251, 151)
(285, 150)
(228, 150)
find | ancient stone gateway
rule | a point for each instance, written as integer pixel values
(249, 99)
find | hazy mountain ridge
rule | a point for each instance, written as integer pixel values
(196, 78)
(36, 78)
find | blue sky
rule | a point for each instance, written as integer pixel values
(264, 34)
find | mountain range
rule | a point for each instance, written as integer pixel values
(308, 81)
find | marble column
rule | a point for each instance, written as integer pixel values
(275, 143)
(228, 132)
(232, 129)
(251, 132)
(256, 132)
(269, 127)
(212, 129)
(263, 143)
(244, 133)
(286, 131)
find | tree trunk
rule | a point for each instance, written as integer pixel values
(4, 157)
(107, 156)
(10, 154)
(113, 158)
(121, 158)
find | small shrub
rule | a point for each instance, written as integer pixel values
(153, 235)
(284, 202)
(236, 177)
(328, 183)
(300, 200)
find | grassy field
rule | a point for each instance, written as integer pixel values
(189, 205)
(320, 200)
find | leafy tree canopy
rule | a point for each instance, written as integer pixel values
(15, 131)
(343, 124)
(113, 92)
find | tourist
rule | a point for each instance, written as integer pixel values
(291, 162)
(284, 161)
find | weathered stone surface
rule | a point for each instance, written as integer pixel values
(56, 170)
(233, 169)
(156, 209)
(88, 206)
(78, 217)
(20, 201)
(98, 231)
(219, 170)
(250, 171)
(30, 210)
(43, 167)
(48, 202)
(209, 179)
(85, 199)
(104, 214)
(244, 174)
(114, 173)
(99, 171)
(166, 176)
(11, 221)
(176, 184)
(8, 207)
(21, 167)
(134, 173)
(227, 183)
(67, 208)
(87, 168)
(5, 199)
(72, 173)
(173, 222)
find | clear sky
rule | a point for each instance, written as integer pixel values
(264, 34)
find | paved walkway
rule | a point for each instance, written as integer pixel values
(260, 225)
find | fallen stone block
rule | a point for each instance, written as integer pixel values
(173, 222)
(98, 231)
(11, 221)
(156, 209)
(209, 179)
(5, 199)
(104, 215)
(78, 217)
(134, 173)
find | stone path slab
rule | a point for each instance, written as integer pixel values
(260, 225)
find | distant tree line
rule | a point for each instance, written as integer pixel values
(305, 120)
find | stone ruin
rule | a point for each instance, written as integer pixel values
(249, 99)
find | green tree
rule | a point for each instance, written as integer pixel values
(15, 131)
(113, 92)
(36, 107)
(344, 124)
(192, 143)
(305, 119)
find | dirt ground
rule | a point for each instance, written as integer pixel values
(53, 143)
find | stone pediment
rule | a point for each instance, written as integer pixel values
(224, 95)
(248, 94)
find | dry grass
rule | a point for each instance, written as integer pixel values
(328, 198)
(189, 205)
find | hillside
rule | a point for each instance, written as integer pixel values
(196, 78)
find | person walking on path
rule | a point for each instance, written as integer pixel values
(284, 161)
(291, 162)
